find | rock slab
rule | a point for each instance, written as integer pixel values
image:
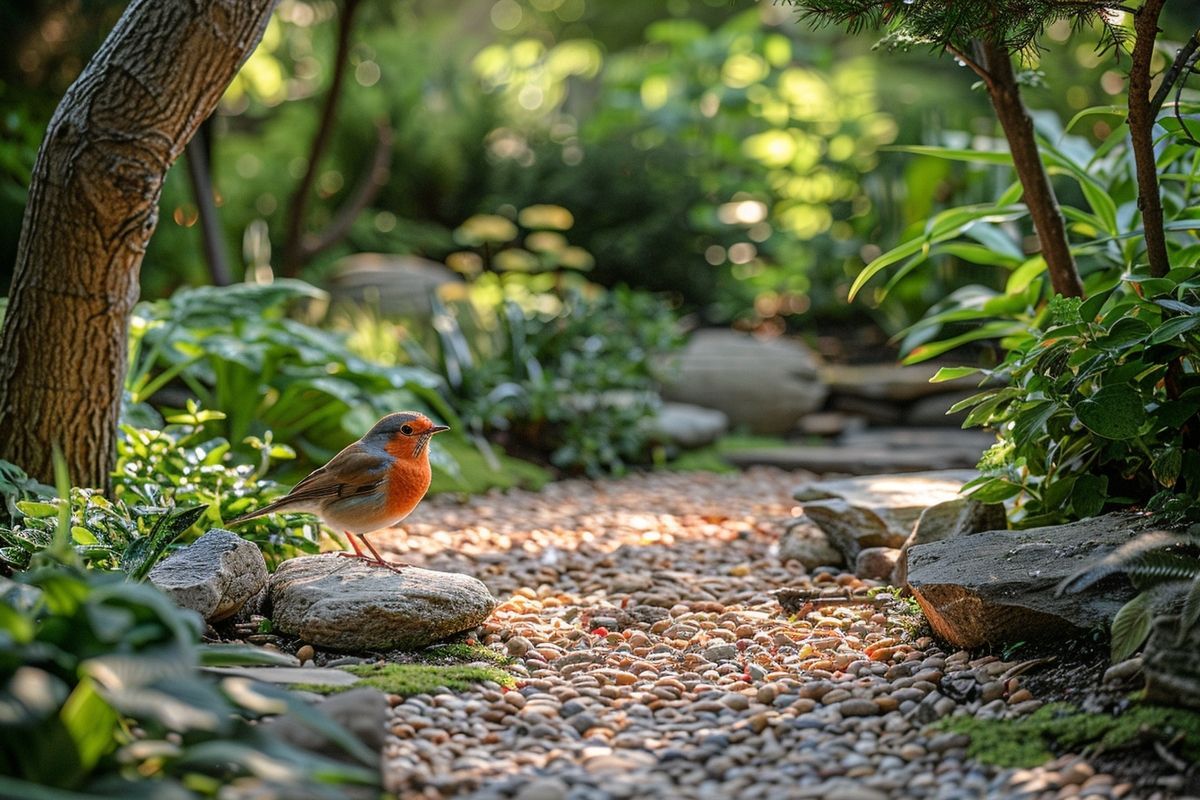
(214, 576)
(804, 541)
(876, 510)
(688, 425)
(765, 386)
(349, 605)
(961, 516)
(1001, 586)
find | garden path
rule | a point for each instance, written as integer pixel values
(653, 661)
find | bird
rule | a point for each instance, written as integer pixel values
(371, 484)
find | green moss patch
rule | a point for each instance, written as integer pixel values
(461, 653)
(712, 458)
(409, 679)
(476, 476)
(1060, 727)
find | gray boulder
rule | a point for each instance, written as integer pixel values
(958, 517)
(876, 563)
(214, 576)
(804, 541)
(1001, 586)
(876, 510)
(346, 604)
(765, 386)
(395, 285)
(1172, 665)
(688, 425)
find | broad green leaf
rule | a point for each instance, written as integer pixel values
(1114, 412)
(1089, 494)
(954, 154)
(952, 373)
(996, 490)
(1130, 627)
(1167, 465)
(1174, 327)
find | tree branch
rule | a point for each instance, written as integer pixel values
(1184, 60)
(1141, 130)
(202, 190)
(974, 65)
(363, 193)
(293, 248)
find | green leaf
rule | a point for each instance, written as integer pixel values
(995, 490)
(954, 154)
(952, 373)
(236, 655)
(90, 721)
(1130, 627)
(1174, 327)
(1167, 465)
(1089, 494)
(1114, 412)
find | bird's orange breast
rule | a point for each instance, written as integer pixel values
(408, 480)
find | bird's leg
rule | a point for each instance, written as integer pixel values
(358, 553)
(394, 566)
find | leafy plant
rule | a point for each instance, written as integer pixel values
(564, 371)
(101, 694)
(1165, 567)
(1088, 410)
(169, 483)
(234, 350)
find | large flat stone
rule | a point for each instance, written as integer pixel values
(855, 459)
(1001, 586)
(890, 381)
(876, 510)
(346, 604)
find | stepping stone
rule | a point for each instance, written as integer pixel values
(876, 510)
(287, 676)
(349, 605)
(998, 587)
(890, 381)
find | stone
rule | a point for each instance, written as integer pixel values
(392, 285)
(804, 541)
(876, 563)
(1172, 666)
(361, 712)
(1126, 670)
(933, 411)
(688, 426)
(830, 423)
(876, 510)
(960, 516)
(890, 381)
(214, 576)
(1001, 586)
(872, 451)
(765, 386)
(290, 676)
(543, 788)
(348, 605)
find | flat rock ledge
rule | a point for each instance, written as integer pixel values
(348, 605)
(1001, 586)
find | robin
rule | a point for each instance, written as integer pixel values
(372, 484)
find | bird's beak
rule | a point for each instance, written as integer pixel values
(438, 429)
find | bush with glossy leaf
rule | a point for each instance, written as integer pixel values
(169, 483)
(101, 695)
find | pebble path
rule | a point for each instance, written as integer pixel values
(653, 662)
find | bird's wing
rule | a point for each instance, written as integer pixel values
(353, 471)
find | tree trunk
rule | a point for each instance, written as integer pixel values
(1039, 194)
(93, 204)
(1141, 133)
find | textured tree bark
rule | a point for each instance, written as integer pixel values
(1141, 134)
(93, 204)
(1039, 194)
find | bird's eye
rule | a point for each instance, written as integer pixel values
(406, 430)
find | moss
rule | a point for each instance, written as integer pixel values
(476, 477)
(1060, 727)
(461, 653)
(410, 679)
(712, 458)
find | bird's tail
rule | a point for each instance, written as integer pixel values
(270, 508)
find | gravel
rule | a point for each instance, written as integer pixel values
(652, 661)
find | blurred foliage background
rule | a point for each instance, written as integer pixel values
(725, 153)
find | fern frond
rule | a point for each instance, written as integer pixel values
(1119, 559)
(1191, 610)
(1162, 565)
